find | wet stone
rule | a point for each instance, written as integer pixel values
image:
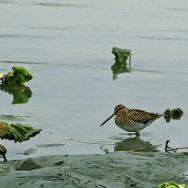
(30, 151)
(28, 164)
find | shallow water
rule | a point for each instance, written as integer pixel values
(67, 48)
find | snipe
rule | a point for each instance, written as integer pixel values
(132, 120)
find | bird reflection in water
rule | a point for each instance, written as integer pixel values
(135, 145)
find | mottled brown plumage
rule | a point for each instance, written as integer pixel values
(3, 151)
(132, 120)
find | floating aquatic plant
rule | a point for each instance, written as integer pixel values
(19, 76)
(120, 65)
(121, 55)
(175, 114)
(171, 185)
(17, 132)
(13, 83)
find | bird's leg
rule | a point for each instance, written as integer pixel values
(5, 159)
(137, 134)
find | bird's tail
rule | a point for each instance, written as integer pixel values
(159, 115)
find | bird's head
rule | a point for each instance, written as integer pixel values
(117, 110)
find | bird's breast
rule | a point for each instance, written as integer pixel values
(130, 126)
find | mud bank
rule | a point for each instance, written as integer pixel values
(118, 169)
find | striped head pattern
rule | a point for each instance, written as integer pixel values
(117, 110)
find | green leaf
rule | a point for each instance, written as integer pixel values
(121, 55)
(171, 185)
(19, 132)
(19, 76)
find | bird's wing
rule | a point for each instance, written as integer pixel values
(140, 116)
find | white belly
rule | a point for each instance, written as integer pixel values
(133, 128)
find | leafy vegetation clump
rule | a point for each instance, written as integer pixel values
(17, 132)
(19, 76)
(171, 185)
(120, 65)
(175, 114)
(121, 55)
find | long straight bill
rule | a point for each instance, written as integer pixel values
(108, 119)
